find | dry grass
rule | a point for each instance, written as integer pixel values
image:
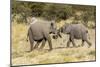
(59, 54)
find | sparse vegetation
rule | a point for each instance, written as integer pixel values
(53, 11)
(59, 55)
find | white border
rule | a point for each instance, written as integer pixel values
(5, 35)
(82, 2)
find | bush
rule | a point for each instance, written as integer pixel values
(51, 11)
(55, 11)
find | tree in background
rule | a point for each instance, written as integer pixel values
(57, 11)
(88, 13)
(21, 10)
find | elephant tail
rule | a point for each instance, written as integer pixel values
(27, 37)
(88, 34)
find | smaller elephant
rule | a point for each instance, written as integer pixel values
(75, 31)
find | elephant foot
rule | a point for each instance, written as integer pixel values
(79, 46)
(89, 46)
(82, 45)
(76, 46)
(40, 49)
(50, 49)
(67, 46)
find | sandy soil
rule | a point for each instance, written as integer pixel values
(59, 54)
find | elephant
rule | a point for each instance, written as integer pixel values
(40, 31)
(75, 31)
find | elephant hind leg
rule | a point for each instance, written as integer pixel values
(82, 43)
(31, 44)
(37, 44)
(89, 43)
(31, 40)
(43, 43)
(85, 39)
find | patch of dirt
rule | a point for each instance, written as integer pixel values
(59, 54)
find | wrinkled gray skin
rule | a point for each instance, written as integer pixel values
(75, 31)
(40, 32)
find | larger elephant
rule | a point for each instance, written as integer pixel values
(40, 31)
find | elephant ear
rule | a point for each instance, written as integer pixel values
(53, 27)
(52, 23)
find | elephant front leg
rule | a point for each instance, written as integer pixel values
(50, 43)
(68, 43)
(74, 45)
(72, 40)
(48, 38)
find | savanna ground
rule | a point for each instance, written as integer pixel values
(59, 54)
